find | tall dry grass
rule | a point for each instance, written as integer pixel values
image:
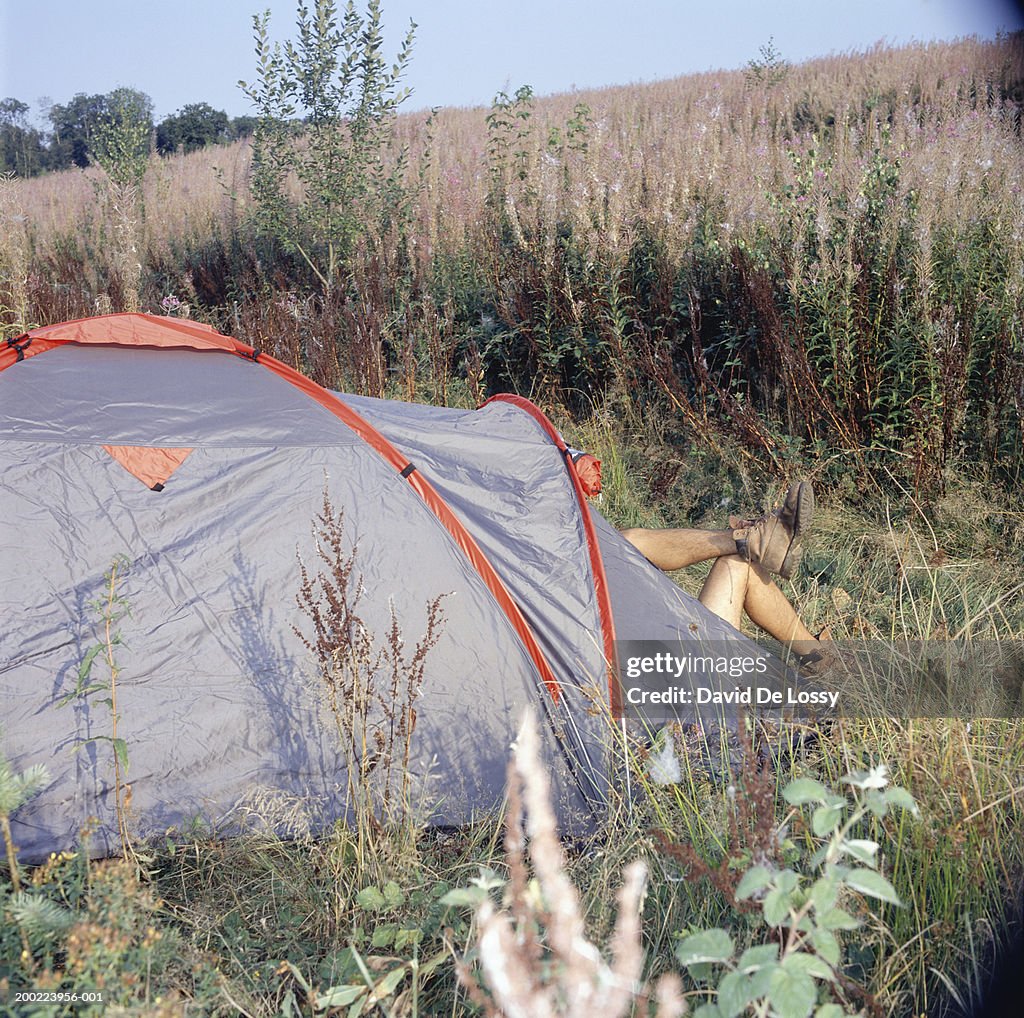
(826, 263)
(656, 153)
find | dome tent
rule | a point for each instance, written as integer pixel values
(203, 464)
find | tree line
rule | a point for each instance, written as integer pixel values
(76, 126)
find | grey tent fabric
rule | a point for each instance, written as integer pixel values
(218, 699)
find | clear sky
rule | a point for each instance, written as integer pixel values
(185, 51)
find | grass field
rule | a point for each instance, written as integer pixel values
(716, 284)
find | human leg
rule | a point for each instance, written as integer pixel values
(678, 548)
(734, 586)
(770, 540)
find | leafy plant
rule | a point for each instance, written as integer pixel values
(768, 68)
(15, 791)
(111, 608)
(787, 977)
(508, 132)
(119, 136)
(326, 108)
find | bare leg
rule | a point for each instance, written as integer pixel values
(676, 549)
(734, 586)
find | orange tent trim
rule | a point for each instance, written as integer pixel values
(601, 590)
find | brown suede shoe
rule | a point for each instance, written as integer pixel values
(772, 540)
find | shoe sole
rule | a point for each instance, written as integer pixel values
(804, 508)
(803, 516)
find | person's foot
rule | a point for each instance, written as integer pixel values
(818, 659)
(772, 540)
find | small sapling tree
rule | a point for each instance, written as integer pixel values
(326, 106)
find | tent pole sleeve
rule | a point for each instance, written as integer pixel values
(601, 591)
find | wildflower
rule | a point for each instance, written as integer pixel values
(170, 304)
(662, 764)
(877, 777)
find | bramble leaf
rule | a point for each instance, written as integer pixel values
(837, 919)
(753, 880)
(464, 896)
(825, 943)
(786, 881)
(734, 993)
(825, 820)
(383, 935)
(713, 945)
(862, 850)
(808, 965)
(755, 957)
(804, 790)
(873, 884)
(776, 908)
(792, 994)
(393, 894)
(371, 899)
(823, 893)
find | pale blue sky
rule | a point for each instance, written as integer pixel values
(184, 51)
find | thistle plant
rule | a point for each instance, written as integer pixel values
(803, 962)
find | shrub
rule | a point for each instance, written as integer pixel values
(336, 81)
